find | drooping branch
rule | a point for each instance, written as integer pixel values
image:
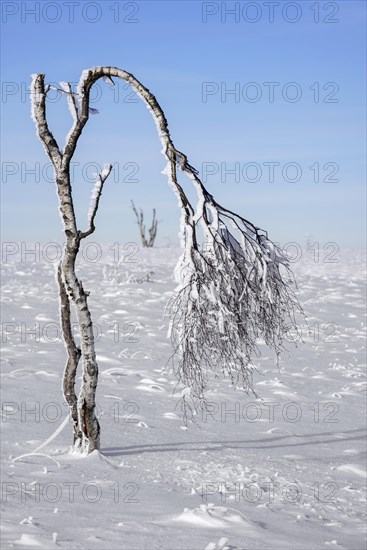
(88, 78)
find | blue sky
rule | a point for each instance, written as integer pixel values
(179, 57)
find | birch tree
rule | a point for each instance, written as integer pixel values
(147, 242)
(231, 293)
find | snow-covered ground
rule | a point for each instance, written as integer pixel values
(284, 472)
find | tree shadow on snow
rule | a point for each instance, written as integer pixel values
(285, 441)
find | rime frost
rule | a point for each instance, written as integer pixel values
(96, 192)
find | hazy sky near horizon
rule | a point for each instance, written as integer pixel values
(267, 99)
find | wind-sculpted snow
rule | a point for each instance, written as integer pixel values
(284, 471)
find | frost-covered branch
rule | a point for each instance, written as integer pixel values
(94, 200)
(234, 293)
(72, 99)
(237, 293)
(38, 111)
(88, 78)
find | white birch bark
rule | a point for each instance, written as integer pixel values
(74, 354)
(82, 410)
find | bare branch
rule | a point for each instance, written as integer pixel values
(147, 243)
(153, 230)
(71, 98)
(38, 99)
(88, 78)
(94, 203)
(38, 106)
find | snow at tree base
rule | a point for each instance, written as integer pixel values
(282, 470)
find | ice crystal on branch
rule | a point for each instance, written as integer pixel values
(234, 292)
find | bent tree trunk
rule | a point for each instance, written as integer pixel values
(239, 274)
(82, 409)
